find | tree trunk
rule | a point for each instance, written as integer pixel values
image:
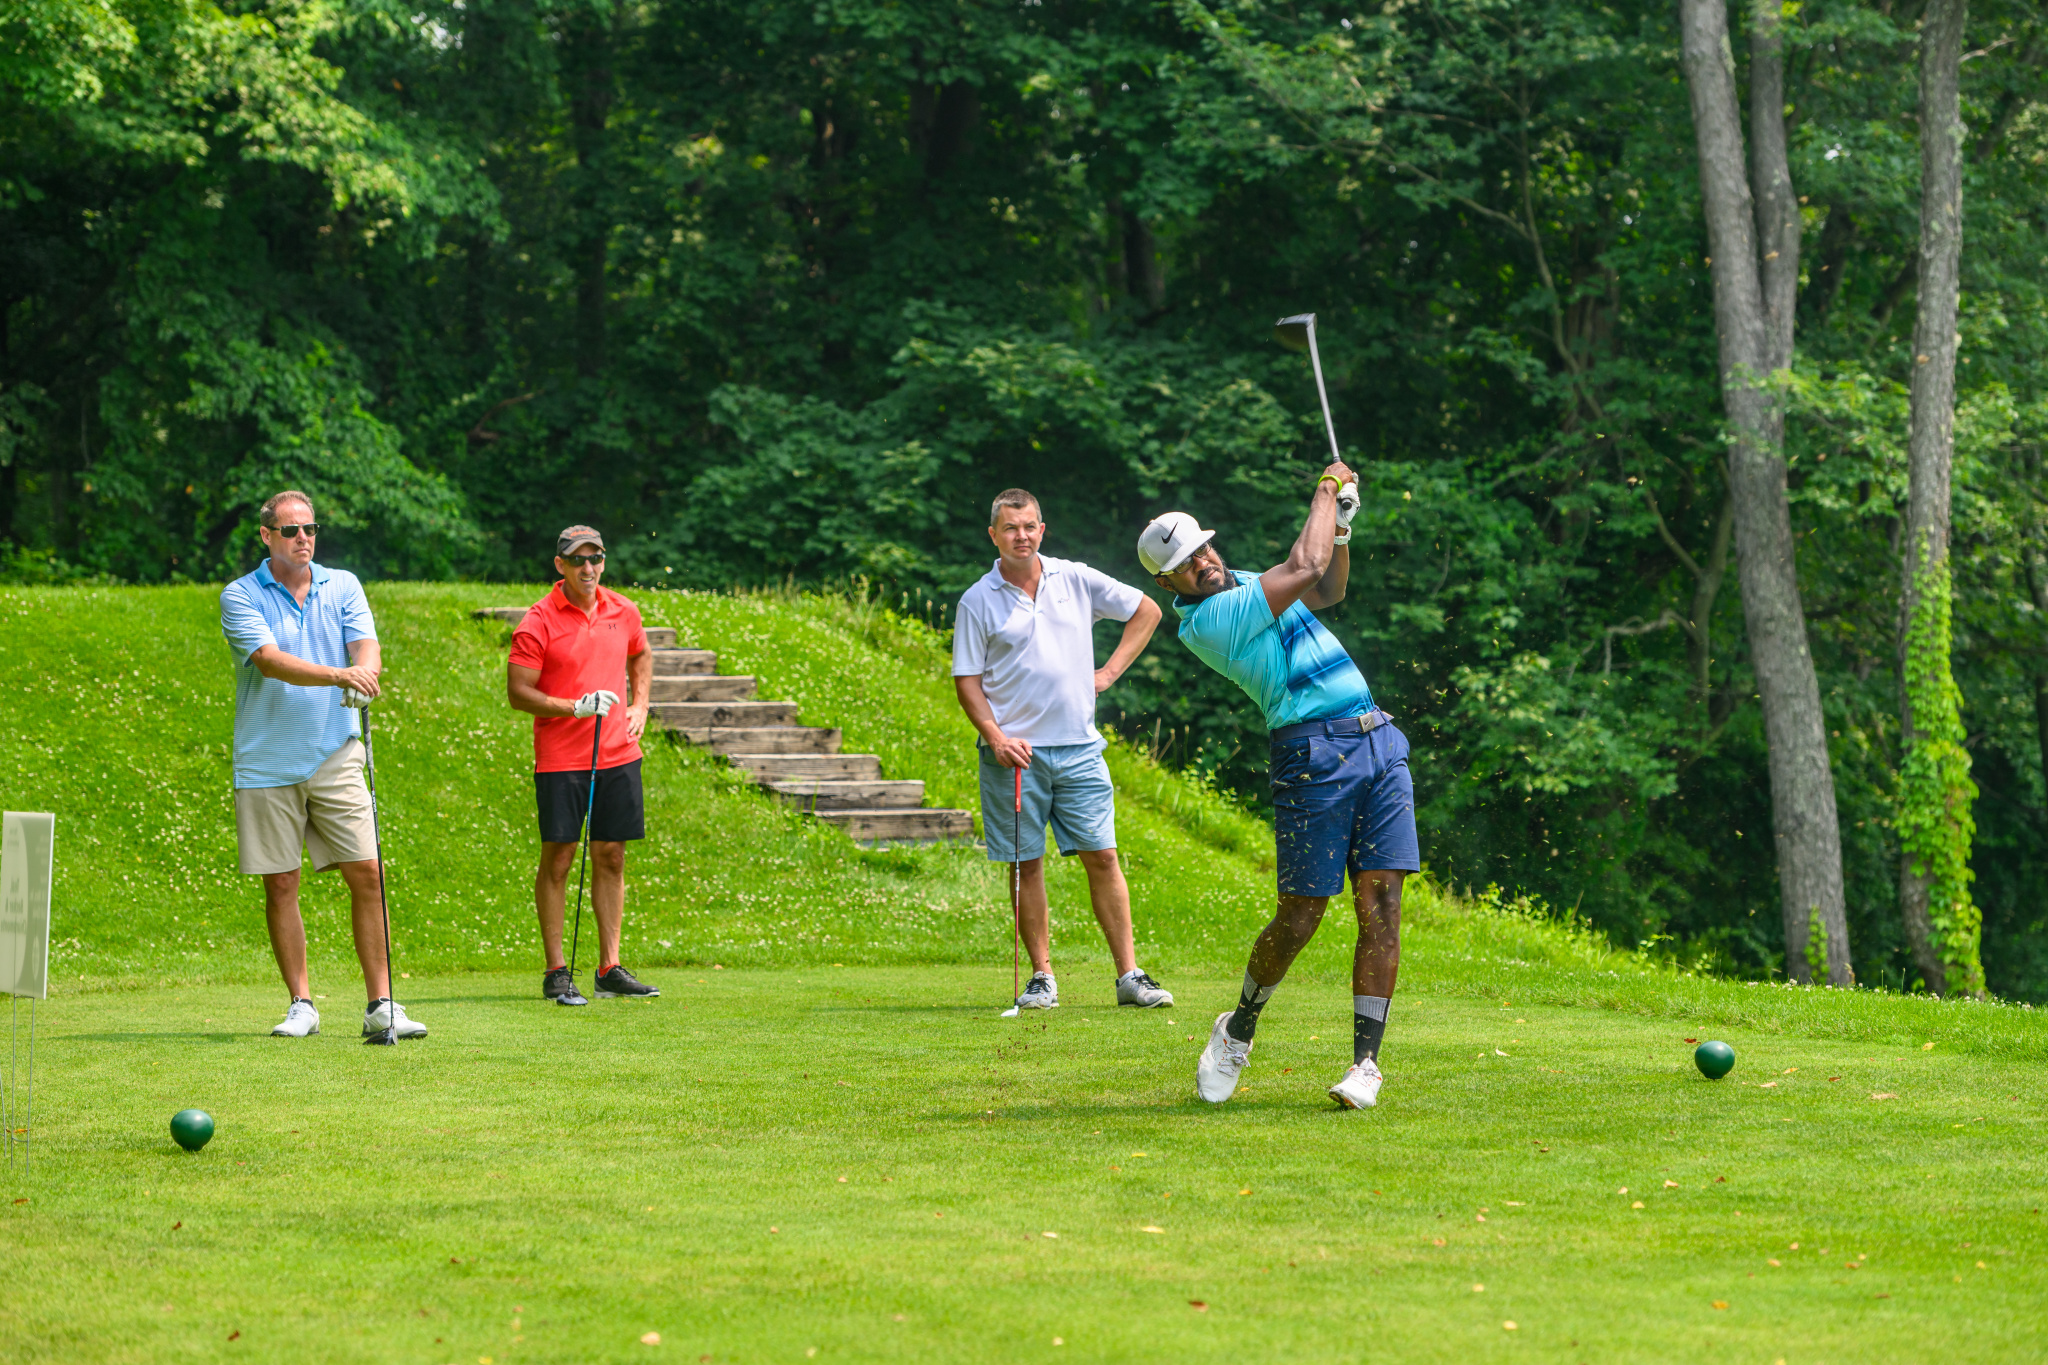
(1754, 299)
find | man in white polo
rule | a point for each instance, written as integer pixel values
(1024, 669)
(306, 652)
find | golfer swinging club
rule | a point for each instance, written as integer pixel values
(306, 658)
(1342, 797)
(576, 650)
(1024, 670)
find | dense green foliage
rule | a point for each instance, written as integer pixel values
(777, 290)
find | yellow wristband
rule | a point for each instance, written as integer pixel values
(1332, 478)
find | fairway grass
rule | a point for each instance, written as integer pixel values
(862, 1163)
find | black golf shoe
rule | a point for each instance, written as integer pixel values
(560, 987)
(619, 981)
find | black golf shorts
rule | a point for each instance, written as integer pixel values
(617, 814)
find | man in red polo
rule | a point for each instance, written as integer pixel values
(578, 650)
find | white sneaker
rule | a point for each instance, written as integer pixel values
(1041, 992)
(299, 1021)
(1216, 1073)
(1136, 988)
(378, 1017)
(1360, 1088)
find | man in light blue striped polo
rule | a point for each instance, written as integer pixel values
(1343, 800)
(306, 656)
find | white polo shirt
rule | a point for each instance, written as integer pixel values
(1036, 656)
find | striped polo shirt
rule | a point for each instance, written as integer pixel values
(283, 732)
(1292, 667)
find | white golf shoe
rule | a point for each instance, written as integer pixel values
(1221, 1062)
(1134, 987)
(1360, 1088)
(300, 1021)
(1041, 992)
(379, 1016)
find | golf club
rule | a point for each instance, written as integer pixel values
(1298, 333)
(388, 1035)
(575, 997)
(1016, 889)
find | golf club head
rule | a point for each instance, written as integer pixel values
(1010, 1013)
(383, 1037)
(574, 997)
(1296, 333)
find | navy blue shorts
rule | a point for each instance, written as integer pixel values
(1342, 804)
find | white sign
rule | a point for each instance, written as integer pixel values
(26, 843)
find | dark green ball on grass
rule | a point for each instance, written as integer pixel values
(191, 1128)
(1714, 1059)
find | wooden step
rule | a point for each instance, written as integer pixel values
(824, 767)
(702, 688)
(813, 795)
(901, 826)
(660, 637)
(680, 663)
(762, 739)
(700, 715)
(511, 616)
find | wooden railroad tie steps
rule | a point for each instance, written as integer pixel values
(798, 764)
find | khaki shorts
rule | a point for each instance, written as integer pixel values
(329, 812)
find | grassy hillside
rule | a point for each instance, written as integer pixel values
(122, 724)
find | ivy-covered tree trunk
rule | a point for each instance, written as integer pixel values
(1935, 791)
(1755, 294)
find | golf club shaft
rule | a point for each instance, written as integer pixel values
(1016, 881)
(1316, 360)
(589, 806)
(383, 906)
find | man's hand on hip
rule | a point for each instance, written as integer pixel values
(357, 678)
(1104, 680)
(636, 720)
(1011, 753)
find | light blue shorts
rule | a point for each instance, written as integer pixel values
(1067, 786)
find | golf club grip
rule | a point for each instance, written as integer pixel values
(1020, 789)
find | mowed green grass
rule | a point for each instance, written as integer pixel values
(864, 1164)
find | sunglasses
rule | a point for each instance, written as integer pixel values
(311, 528)
(580, 560)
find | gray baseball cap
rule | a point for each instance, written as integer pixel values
(578, 534)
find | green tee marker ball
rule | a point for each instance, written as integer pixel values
(1714, 1060)
(191, 1128)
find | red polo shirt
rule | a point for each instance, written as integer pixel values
(576, 654)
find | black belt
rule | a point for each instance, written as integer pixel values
(1341, 728)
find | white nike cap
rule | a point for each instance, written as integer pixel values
(1167, 541)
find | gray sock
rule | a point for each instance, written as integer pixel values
(1368, 1026)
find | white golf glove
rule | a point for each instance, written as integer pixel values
(595, 704)
(1347, 504)
(354, 700)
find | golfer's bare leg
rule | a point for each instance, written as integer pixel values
(287, 931)
(608, 896)
(366, 918)
(1034, 918)
(1284, 936)
(550, 886)
(1377, 960)
(1111, 898)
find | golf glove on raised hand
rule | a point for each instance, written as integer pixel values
(354, 700)
(1347, 504)
(595, 704)
(1347, 508)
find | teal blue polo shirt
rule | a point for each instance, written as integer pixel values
(1292, 666)
(283, 732)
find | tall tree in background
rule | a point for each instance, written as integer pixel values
(1934, 820)
(1755, 298)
